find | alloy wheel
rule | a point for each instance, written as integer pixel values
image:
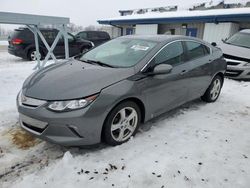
(33, 56)
(124, 124)
(215, 91)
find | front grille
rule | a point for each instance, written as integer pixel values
(233, 73)
(33, 125)
(232, 63)
(236, 58)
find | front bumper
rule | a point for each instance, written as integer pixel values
(237, 69)
(74, 128)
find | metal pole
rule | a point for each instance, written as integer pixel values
(38, 55)
(66, 44)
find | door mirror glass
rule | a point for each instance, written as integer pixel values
(162, 69)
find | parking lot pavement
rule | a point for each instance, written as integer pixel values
(197, 145)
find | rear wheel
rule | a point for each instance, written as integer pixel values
(32, 55)
(122, 123)
(213, 91)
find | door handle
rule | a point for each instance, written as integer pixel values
(183, 72)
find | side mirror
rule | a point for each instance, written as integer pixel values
(214, 44)
(162, 69)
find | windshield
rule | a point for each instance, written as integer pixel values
(240, 39)
(121, 52)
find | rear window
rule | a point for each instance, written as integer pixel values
(18, 33)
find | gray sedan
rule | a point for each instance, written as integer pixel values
(109, 91)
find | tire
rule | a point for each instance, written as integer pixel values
(117, 127)
(32, 55)
(213, 91)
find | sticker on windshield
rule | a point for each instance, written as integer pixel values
(139, 47)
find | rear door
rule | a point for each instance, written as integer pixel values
(199, 68)
(166, 91)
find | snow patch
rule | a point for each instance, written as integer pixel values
(4, 43)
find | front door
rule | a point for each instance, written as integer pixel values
(166, 91)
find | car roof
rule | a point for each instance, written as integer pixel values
(93, 31)
(162, 38)
(41, 29)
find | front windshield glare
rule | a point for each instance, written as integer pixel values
(121, 52)
(240, 39)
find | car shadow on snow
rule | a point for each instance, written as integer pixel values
(193, 105)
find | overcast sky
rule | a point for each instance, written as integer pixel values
(85, 12)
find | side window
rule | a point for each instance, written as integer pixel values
(206, 49)
(172, 54)
(83, 35)
(49, 35)
(103, 35)
(196, 50)
(92, 35)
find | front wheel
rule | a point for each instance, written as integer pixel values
(122, 123)
(213, 91)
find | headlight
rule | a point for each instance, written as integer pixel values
(71, 104)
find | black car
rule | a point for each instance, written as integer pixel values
(22, 44)
(97, 37)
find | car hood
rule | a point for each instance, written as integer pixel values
(71, 80)
(233, 50)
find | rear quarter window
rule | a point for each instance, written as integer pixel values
(103, 35)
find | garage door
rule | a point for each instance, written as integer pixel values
(146, 29)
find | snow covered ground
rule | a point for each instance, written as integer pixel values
(197, 145)
(3, 43)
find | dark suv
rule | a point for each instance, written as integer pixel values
(22, 44)
(97, 37)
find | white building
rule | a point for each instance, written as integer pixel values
(211, 25)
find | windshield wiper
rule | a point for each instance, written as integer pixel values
(98, 63)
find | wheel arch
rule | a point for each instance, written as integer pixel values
(133, 99)
(32, 47)
(220, 74)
